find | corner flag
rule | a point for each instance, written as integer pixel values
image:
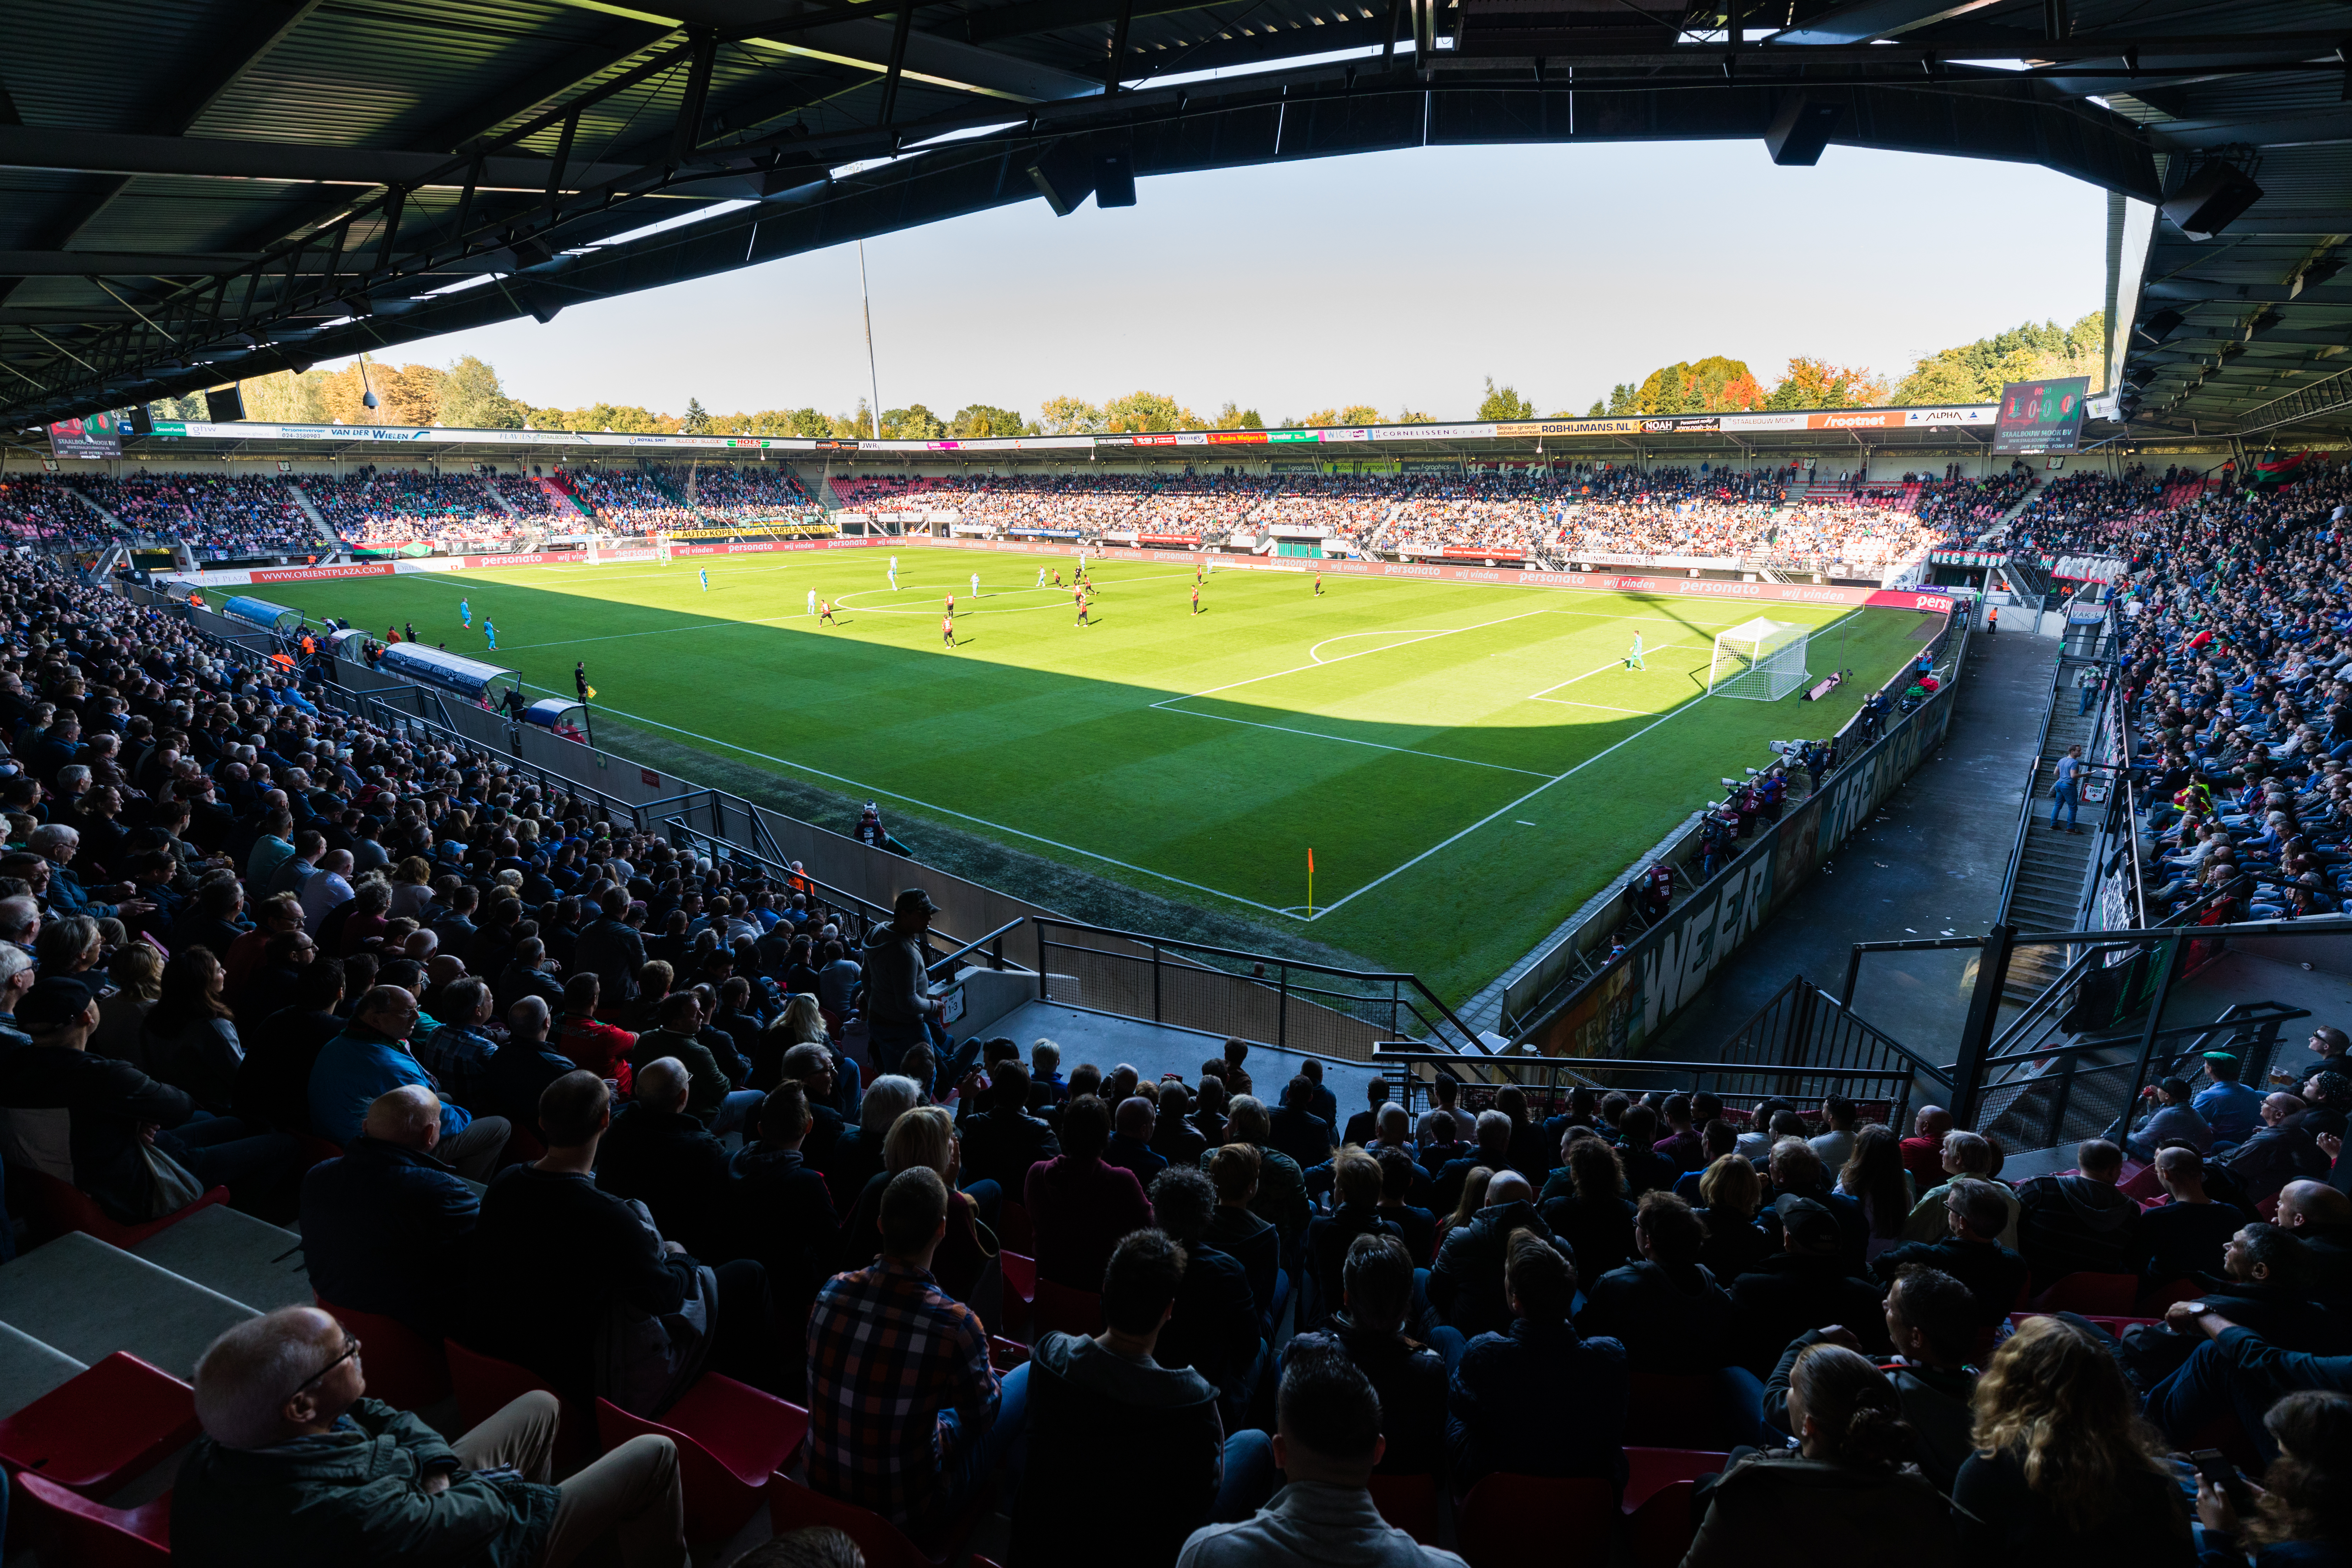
(1310, 880)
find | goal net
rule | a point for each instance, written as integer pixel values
(1761, 659)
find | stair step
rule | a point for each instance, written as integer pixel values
(246, 1259)
(87, 1299)
(28, 1369)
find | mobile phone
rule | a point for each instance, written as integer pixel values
(2211, 1465)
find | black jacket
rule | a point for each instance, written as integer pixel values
(519, 1073)
(1256, 1246)
(1538, 1400)
(1097, 1424)
(552, 1254)
(2187, 1239)
(666, 1160)
(1000, 1145)
(1792, 1294)
(779, 1212)
(2069, 1225)
(1598, 1233)
(1673, 1322)
(1215, 1329)
(385, 1229)
(1994, 1275)
(105, 1101)
(1466, 1285)
(1410, 1378)
(272, 1087)
(1328, 1237)
(1301, 1135)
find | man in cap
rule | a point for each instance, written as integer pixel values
(2232, 1109)
(900, 1011)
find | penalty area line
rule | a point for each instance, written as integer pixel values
(872, 789)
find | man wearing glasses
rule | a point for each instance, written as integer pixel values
(298, 1465)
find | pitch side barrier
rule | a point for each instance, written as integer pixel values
(1596, 582)
(1616, 1011)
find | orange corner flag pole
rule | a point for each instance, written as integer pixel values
(1310, 882)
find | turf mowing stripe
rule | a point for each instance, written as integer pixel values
(1352, 741)
(929, 806)
(1514, 805)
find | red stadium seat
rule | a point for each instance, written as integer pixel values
(1020, 1289)
(731, 1440)
(92, 1535)
(2113, 1295)
(404, 1368)
(1670, 1411)
(1071, 1312)
(1536, 1522)
(108, 1423)
(1410, 1504)
(485, 1386)
(59, 1206)
(1660, 1485)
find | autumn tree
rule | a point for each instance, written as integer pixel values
(473, 399)
(1975, 373)
(282, 398)
(1359, 413)
(912, 423)
(1232, 417)
(1069, 416)
(1811, 382)
(1504, 403)
(979, 421)
(1140, 411)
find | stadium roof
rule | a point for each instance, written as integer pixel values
(192, 191)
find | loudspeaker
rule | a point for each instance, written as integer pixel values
(2214, 194)
(224, 406)
(1115, 175)
(1801, 129)
(1064, 175)
(138, 421)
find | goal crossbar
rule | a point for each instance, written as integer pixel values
(1762, 660)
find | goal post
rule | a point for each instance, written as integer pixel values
(1760, 659)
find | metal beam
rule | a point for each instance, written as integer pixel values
(113, 153)
(1862, 20)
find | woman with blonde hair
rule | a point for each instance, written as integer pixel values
(1473, 1199)
(924, 1136)
(1731, 1192)
(2065, 1471)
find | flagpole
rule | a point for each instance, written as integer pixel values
(1310, 883)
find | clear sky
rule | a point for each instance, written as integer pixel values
(1396, 278)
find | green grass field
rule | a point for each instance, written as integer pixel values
(1468, 762)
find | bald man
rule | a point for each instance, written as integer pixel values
(2280, 1151)
(1466, 1285)
(2321, 1217)
(386, 1227)
(298, 1465)
(660, 1154)
(1923, 1153)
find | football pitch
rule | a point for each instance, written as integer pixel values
(1469, 763)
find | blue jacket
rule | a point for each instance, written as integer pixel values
(354, 1069)
(385, 1229)
(2232, 1109)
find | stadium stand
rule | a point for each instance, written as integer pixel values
(382, 507)
(40, 508)
(1568, 1343)
(750, 493)
(632, 500)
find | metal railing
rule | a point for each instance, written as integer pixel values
(1807, 1038)
(2059, 1093)
(1547, 1080)
(1286, 1003)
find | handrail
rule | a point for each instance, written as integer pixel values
(2046, 1001)
(932, 969)
(2111, 1042)
(2033, 777)
(778, 870)
(2307, 925)
(1468, 1034)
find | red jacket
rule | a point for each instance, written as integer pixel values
(1079, 1207)
(599, 1047)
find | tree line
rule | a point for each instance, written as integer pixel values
(468, 394)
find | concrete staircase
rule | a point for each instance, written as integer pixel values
(318, 518)
(2053, 868)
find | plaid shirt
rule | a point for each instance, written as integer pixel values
(900, 1386)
